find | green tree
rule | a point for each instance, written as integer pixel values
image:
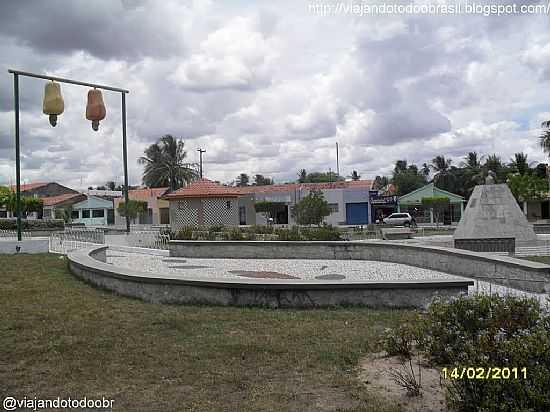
(243, 180)
(31, 204)
(473, 172)
(270, 209)
(322, 177)
(437, 204)
(407, 178)
(302, 176)
(519, 164)
(110, 185)
(380, 182)
(260, 180)
(527, 187)
(355, 176)
(164, 164)
(7, 197)
(444, 176)
(544, 138)
(135, 208)
(65, 213)
(312, 209)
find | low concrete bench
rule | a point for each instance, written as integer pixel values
(495, 244)
(396, 233)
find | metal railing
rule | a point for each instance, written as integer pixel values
(13, 234)
(148, 239)
(75, 238)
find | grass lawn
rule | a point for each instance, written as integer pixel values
(540, 259)
(61, 337)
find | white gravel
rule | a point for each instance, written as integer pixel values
(299, 268)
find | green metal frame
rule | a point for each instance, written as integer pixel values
(123, 92)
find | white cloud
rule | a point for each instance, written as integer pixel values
(270, 88)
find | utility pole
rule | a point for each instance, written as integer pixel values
(201, 151)
(337, 162)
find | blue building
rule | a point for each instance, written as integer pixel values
(94, 211)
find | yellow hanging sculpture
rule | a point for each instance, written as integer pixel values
(95, 109)
(53, 102)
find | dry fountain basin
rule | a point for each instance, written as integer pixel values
(303, 274)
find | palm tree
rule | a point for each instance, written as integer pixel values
(519, 163)
(472, 164)
(442, 176)
(425, 169)
(165, 166)
(493, 163)
(545, 137)
(302, 176)
(472, 161)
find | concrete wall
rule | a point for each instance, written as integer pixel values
(90, 266)
(203, 211)
(515, 273)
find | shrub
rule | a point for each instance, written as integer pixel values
(484, 331)
(327, 232)
(32, 224)
(470, 322)
(185, 233)
(292, 234)
(234, 233)
(260, 229)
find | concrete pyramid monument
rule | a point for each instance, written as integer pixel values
(492, 212)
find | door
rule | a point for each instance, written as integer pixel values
(242, 215)
(110, 216)
(357, 213)
(545, 210)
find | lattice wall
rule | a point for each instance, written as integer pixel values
(216, 211)
(182, 213)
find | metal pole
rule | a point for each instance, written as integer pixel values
(201, 151)
(17, 155)
(125, 157)
(337, 162)
(65, 80)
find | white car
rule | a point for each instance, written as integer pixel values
(399, 219)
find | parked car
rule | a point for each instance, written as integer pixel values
(400, 219)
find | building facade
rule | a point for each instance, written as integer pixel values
(55, 206)
(94, 211)
(412, 203)
(203, 202)
(348, 201)
(157, 208)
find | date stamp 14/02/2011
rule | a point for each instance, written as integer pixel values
(484, 373)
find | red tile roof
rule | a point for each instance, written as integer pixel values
(54, 200)
(367, 184)
(146, 193)
(204, 188)
(29, 186)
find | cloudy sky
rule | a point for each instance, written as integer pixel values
(269, 87)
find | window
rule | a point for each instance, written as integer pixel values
(74, 214)
(228, 204)
(85, 214)
(46, 214)
(98, 213)
(333, 207)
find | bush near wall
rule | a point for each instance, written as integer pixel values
(257, 232)
(483, 331)
(32, 224)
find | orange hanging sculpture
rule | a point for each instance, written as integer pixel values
(95, 109)
(53, 102)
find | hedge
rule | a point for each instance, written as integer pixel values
(32, 224)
